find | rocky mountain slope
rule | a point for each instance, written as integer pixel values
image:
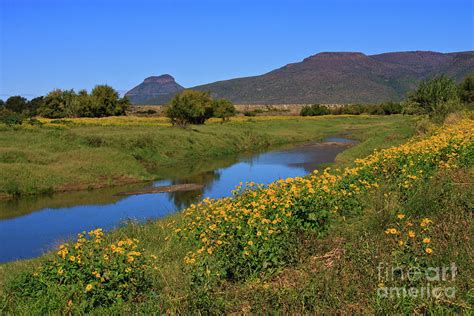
(337, 77)
(155, 89)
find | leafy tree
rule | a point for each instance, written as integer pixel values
(106, 102)
(54, 105)
(9, 117)
(16, 104)
(71, 106)
(86, 108)
(190, 107)
(123, 105)
(2, 104)
(223, 109)
(466, 89)
(34, 105)
(103, 101)
(436, 97)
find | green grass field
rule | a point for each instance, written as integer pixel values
(91, 153)
(326, 269)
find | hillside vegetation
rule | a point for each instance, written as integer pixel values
(311, 244)
(328, 77)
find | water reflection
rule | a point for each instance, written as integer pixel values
(182, 199)
(30, 226)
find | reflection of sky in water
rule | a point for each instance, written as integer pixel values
(30, 235)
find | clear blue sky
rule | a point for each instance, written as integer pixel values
(77, 44)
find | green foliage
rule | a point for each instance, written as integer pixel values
(33, 106)
(466, 90)
(314, 110)
(20, 105)
(190, 107)
(10, 118)
(106, 102)
(195, 107)
(89, 273)
(16, 104)
(56, 104)
(103, 101)
(387, 108)
(436, 97)
(223, 109)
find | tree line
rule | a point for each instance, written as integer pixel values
(435, 97)
(102, 101)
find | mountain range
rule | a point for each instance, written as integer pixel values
(328, 77)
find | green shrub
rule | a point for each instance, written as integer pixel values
(16, 104)
(190, 107)
(314, 110)
(466, 90)
(436, 97)
(223, 109)
(88, 273)
(391, 108)
(10, 118)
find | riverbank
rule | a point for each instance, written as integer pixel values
(400, 207)
(82, 154)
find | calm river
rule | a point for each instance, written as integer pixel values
(31, 226)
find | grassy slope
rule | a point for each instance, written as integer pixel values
(90, 153)
(337, 273)
(373, 132)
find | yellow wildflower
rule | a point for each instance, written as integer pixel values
(391, 231)
(425, 222)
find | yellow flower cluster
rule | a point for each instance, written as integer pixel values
(412, 238)
(98, 264)
(255, 223)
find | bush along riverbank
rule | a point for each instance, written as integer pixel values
(305, 244)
